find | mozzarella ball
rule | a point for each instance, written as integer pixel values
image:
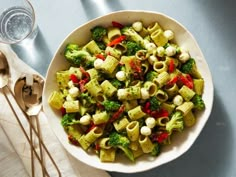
(74, 91)
(150, 122)
(169, 34)
(85, 120)
(183, 57)
(150, 47)
(183, 49)
(160, 51)
(144, 94)
(170, 51)
(146, 131)
(178, 100)
(98, 63)
(120, 75)
(121, 93)
(152, 59)
(138, 26)
(70, 84)
(69, 98)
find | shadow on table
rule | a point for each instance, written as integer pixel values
(210, 155)
(35, 53)
(95, 8)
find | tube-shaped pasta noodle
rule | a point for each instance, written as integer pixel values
(161, 121)
(134, 145)
(126, 61)
(100, 118)
(121, 47)
(113, 32)
(198, 86)
(158, 38)
(113, 52)
(93, 74)
(144, 32)
(71, 106)
(136, 113)
(56, 100)
(93, 135)
(145, 66)
(75, 131)
(107, 155)
(145, 144)
(169, 107)
(153, 27)
(135, 83)
(131, 93)
(108, 88)
(189, 119)
(93, 87)
(103, 143)
(121, 124)
(137, 153)
(142, 55)
(160, 66)
(161, 95)
(100, 97)
(110, 64)
(185, 107)
(186, 93)
(83, 142)
(132, 130)
(62, 78)
(172, 90)
(151, 87)
(162, 79)
(92, 47)
(130, 104)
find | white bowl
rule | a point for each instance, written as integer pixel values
(181, 142)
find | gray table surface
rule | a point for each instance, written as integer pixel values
(212, 22)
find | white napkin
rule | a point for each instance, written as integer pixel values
(68, 165)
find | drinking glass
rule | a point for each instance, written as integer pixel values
(17, 21)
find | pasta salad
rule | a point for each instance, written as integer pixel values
(127, 90)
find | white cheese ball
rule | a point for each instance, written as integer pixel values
(152, 59)
(160, 51)
(145, 130)
(178, 100)
(144, 94)
(169, 34)
(183, 57)
(121, 93)
(150, 47)
(85, 120)
(98, 63)
(70, 84)
(138, 26)
(69, 98)
(120, 75)
(74, 91)
(150, 122)
(170, 51)
(183, 49)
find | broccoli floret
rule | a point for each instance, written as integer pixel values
(111, 105)
(74, 55)
(190, 68)
(121, 142)
(87, 100)
(155, 150)
(176, 122)
(69, 119)
(101, 45)
(198, 102)
(151, 75)
(132, 35)
(154, 103)
(132, 47)
(116, 83)
(98, 32)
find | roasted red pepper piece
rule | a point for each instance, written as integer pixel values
(73, 140)
(186, 81)
(171, 66)
(63, 111)
(117, 41)
(172, 81)
(117, 114)
(74, 78)
(162, 137)
(136, 66)
(117, 24)
(100, 56)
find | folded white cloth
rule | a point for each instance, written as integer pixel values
(17, 144)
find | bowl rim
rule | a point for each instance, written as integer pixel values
(132, 169)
